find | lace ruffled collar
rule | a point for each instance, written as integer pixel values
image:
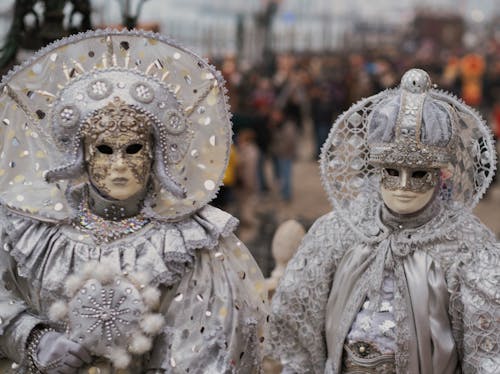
(47, 254)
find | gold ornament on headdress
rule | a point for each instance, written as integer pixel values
(117, 117)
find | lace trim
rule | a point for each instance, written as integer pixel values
(401, 316)
(369, 227)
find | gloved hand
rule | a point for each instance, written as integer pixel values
(56, 354)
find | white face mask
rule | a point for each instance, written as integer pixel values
(406, 191)
(118, 166)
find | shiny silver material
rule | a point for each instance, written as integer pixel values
(422, 125)
(416, 180)
(216, 325)
(364, 358)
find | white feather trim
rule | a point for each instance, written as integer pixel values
(73, 283)
(103, 273)
(58, 311)
(88, 270)
(140, 344)
(119, 357)
(151, 296)
(152, 323)
(140, 278)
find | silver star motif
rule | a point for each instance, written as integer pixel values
(106, 314)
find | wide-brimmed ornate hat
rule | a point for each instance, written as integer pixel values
(45, 101)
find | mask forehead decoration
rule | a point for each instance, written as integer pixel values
(58, 98)
(93, 93)
(117, 118)
(416, 127)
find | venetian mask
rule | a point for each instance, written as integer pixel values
(118, 150)
(408, 190)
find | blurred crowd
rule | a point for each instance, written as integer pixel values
(271, 107)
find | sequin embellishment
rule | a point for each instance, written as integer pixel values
(106, 230)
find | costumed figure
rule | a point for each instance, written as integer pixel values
(112, 145)
(400, 277)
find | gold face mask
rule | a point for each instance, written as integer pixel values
(118, 150)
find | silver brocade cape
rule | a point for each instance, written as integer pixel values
(452, 320)
(212, 289)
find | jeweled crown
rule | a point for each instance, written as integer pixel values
(422, 132)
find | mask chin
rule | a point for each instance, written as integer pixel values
(407, 202)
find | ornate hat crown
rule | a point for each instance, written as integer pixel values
(412, 129)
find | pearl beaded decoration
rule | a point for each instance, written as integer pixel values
(107, 313)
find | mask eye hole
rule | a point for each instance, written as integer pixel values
(106, 149)
(133, 148)
(419, 174)
(392, 172)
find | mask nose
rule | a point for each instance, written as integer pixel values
(403, 180)
(118, 163)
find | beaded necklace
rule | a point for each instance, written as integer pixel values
(107, 230)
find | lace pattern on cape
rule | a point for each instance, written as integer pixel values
(454, 239)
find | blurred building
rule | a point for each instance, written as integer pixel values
(221, 27)
(446, 29)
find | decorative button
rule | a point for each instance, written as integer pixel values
(69, 116)
(99, 89)
(174, 122)
(142, 92)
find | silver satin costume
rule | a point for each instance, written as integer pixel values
(212, 292)
(443, 260)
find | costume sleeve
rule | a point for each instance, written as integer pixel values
(297, 323)
(16, 322)
(477, 306)
(215, 316)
